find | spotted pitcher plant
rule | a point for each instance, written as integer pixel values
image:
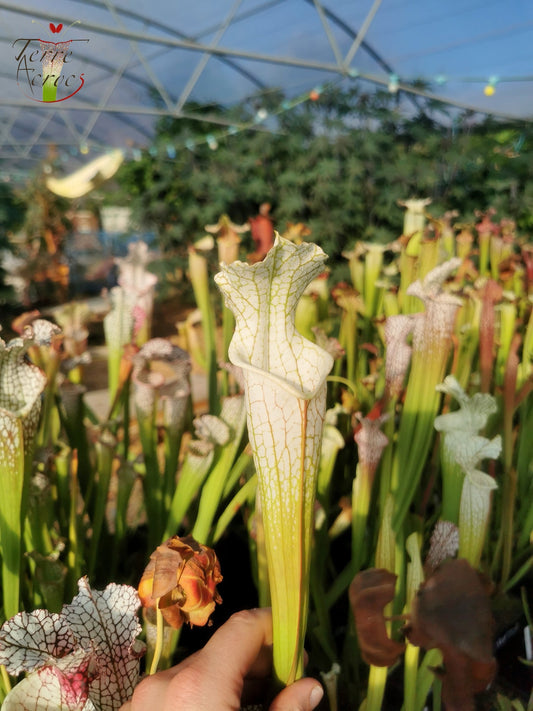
(285, 389)
(21, 386)
(467, 497)
(431, 343)
(139, 284)
(85, 658)
(466, 422)
(160, 382)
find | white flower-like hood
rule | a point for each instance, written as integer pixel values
(263, 298)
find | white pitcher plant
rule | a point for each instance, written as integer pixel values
(285, 390)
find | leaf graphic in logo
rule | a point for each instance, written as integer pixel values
(56, 28)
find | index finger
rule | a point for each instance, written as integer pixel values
(247, 634)
(216, 673)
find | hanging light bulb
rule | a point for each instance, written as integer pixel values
(211, 142)
(260, 115)
(490, 88)
(393, 84)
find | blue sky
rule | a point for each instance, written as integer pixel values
(457, 46)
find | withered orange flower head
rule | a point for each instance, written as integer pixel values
(181, 579)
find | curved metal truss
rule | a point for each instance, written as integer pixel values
(139, 65)
(129, 87)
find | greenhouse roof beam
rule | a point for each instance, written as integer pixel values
(185, 44)
(193, 79)
(329, 34)
(124, 12)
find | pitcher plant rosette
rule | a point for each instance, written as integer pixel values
(285, 389)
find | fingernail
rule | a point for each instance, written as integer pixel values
(315, 696)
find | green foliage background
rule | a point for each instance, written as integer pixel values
(339, 164)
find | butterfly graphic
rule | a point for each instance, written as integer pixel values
(56, 28)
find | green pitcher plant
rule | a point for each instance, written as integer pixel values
(285, 390)
(21, 385)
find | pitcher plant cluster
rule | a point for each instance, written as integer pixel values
(370, 440)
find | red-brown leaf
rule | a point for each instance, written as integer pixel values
(452, 613)
(370, 591)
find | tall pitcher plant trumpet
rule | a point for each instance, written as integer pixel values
(285, 388)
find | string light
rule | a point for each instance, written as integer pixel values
(211, 142)
(490, 88)
(393, 84)
(261, 115)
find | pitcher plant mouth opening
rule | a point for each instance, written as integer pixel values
(285, 391)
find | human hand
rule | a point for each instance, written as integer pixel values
(222, 675)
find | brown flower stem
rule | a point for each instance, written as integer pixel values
(159, 640)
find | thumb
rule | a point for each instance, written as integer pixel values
(303, 695)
